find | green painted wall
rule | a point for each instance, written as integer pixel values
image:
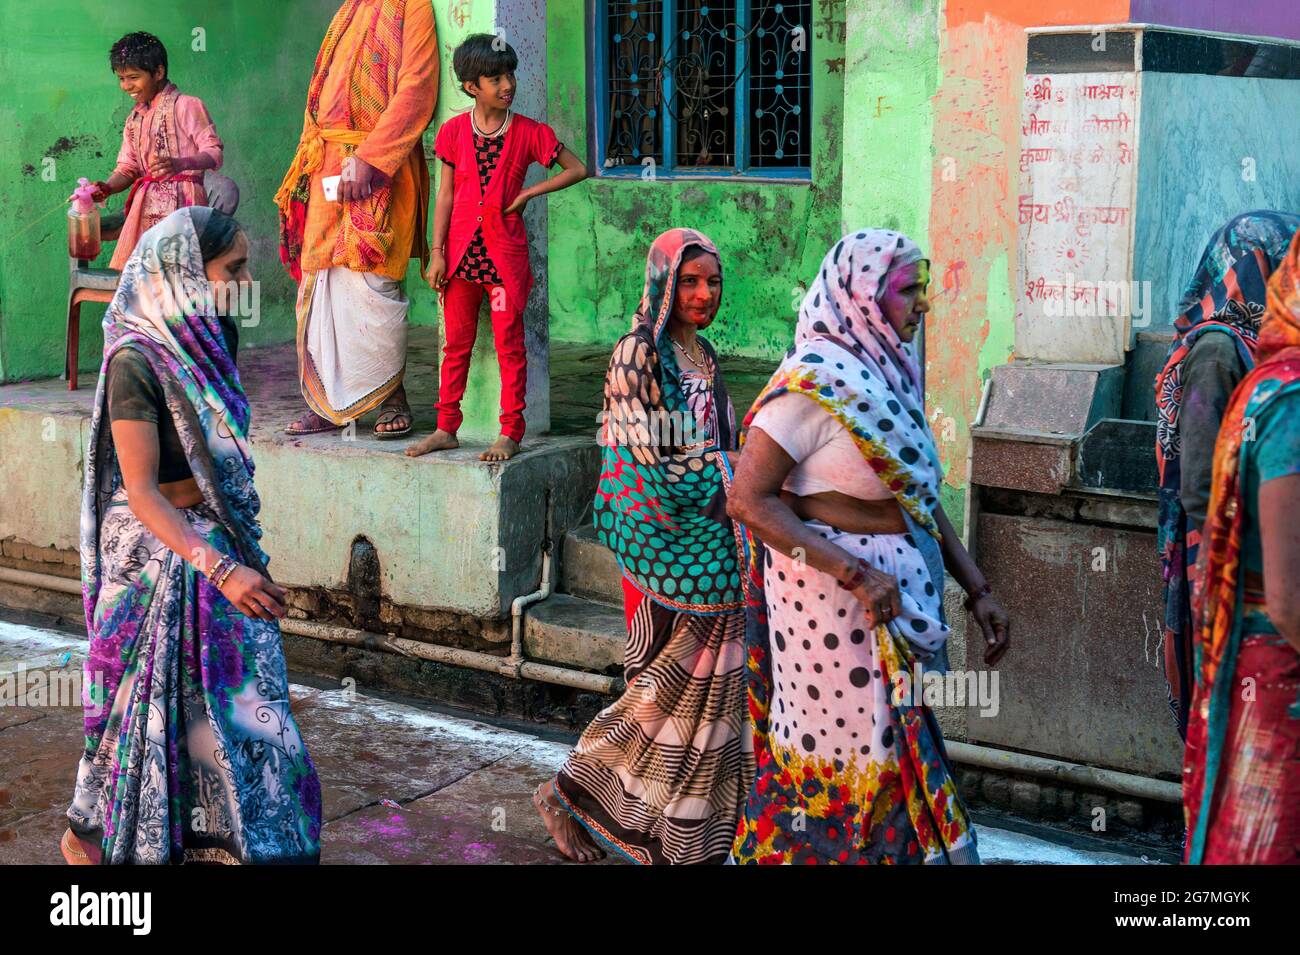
(62, 102)
(772, 236)
(891, 74)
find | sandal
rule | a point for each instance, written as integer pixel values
(311, 423)
(388, 413)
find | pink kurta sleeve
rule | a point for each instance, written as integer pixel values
(197, 133)
(410, 107)
(128, 163)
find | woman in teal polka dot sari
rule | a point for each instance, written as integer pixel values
(659, 776)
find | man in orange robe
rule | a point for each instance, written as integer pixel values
(371, 96)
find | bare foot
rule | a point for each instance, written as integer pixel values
(77, 851)
(570, 838)
(503, 449)
(438, 441)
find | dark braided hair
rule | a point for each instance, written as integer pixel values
(141, 51)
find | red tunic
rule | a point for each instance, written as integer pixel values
(526, 141)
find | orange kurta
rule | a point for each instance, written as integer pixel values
(394, 146)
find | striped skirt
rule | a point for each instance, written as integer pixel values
(660, 775)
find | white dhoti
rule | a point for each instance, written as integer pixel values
(351, 341)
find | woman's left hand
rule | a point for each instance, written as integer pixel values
(995, 624)
(521, 200)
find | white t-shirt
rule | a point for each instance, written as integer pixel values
(826, 458)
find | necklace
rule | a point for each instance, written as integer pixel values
(687, 355)
(500, 130)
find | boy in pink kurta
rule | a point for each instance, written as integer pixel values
(167, 144)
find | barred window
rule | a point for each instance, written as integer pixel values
(704, 86)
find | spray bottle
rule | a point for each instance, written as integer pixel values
(83, 222)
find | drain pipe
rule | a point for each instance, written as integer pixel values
(1056, 770)
(27, 578)
(517, 605)
(454, 656)
(367, 640)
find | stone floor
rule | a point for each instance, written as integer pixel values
(403, 783)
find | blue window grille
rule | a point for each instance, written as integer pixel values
(703, 87)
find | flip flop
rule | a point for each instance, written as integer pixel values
(390, 413)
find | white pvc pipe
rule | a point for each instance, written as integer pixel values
(63, 585)
(517, 609)
(472, 659)
(1090, 777)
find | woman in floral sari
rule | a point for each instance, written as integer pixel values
(840, 480)
(659, 776)
(192, 754)
(1241, 770)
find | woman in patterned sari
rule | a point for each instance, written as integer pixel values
(840, 479)
(1241, 770)
(192, 754)
(1214, 346)
(659, 776)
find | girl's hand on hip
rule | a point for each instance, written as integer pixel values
(879, 594)
(254, 595)
(521, 200)
(995, 624)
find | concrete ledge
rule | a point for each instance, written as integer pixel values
(588, 568)
(450, 532)
(574, 632)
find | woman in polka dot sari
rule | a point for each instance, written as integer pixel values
(840, 479)
(660, 775)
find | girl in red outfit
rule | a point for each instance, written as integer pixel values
(479, 240)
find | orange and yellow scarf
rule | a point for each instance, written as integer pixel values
(374, 74)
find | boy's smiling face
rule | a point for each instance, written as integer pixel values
(494, 92)
(141, 85)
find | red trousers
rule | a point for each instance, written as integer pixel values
(460, 305)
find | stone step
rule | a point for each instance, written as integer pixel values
(570, 631)
(588, 568)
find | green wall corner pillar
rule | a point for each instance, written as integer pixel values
(891, 55)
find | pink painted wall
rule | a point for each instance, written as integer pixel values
(973, 222)
(1279, 18)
